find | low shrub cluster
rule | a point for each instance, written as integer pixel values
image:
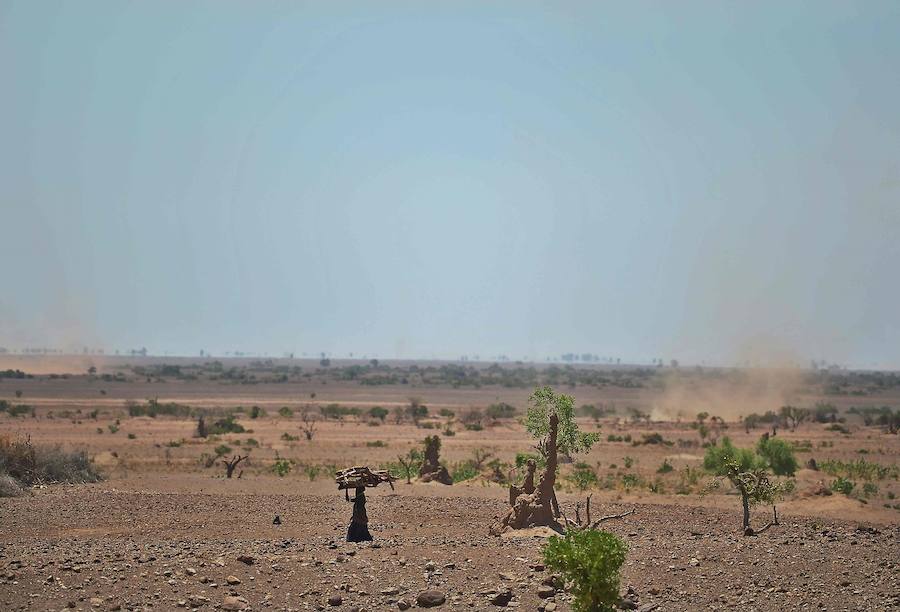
(23, 464)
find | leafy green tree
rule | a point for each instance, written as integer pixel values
(778, 454)
(570, 440)
(718, 455)
(590, 561)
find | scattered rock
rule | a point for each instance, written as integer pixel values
(404, 605)
(502, 598)
(546, 591)
(233, 580)
(430, 599)
(246, 559)
(232, 603)
(335, 600)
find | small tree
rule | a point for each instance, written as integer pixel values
(308, 423)
(411, 463)
(230, 465)
(590, 561)
(755, 488)
(795, 416)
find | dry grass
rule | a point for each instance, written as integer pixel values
(23, 464)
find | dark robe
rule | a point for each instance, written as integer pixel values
(359, 524)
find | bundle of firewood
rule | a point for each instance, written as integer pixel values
(362, 476)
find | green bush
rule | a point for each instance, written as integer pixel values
(285, 412)
(225, 426)
(222, 449)
(583, 476)
(500, 410)
(869, 489)
(464, 470)
(665, 468)
(779, 455)
(256, 412)
(282, 467)
(842, 485)
(376, 444)
(717, 456)
(377, 412)
(289, 438)
(589, 560)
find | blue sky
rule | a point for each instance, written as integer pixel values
(711, 181)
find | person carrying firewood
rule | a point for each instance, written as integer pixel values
(359, 478)
(359, 522)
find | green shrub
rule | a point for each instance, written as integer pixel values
(153, 409)
(282, 467)
(474, 426)
(222, 449)
(377, 412)
(838, 427)
(500, 410)
(132, 436)
(285, 412)
(311, 471)
(464, 470)
(628, 462)
(665, 468)
(842, 485)
(19, 410)
(447, 413)
(589, 560)
(256, 412)
(869, 489)
(779, 455)
(113, 428)
(717, 456)
(583, 476)
(289, 438)
(376, 444)
(225, 426)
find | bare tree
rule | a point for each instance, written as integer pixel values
(586, 523)
(230, 465)
(309, 423)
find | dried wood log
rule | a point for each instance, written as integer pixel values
(362, 476)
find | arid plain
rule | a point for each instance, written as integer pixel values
(165, 529)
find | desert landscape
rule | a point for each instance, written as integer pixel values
(164, 528)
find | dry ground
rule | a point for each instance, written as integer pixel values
(163, 532)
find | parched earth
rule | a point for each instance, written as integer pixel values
(147, 543)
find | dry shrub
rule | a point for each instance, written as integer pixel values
(29, 464)
(9, 486)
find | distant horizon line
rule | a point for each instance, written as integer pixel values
(564, 359)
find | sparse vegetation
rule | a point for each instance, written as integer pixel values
(24, 464)
(590, 562)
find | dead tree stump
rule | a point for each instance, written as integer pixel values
(538, 508)
(431, 468)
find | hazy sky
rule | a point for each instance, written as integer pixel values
(712, 181)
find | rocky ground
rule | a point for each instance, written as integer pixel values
(123, 545)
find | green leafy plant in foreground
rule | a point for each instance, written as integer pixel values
(590, 561)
